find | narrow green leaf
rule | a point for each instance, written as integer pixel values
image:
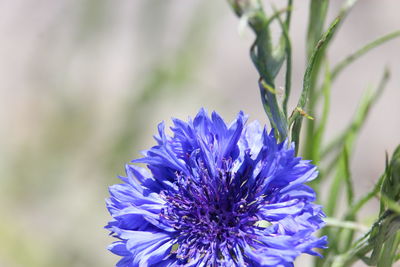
(309, 145)
(362, 51)
(318, 51)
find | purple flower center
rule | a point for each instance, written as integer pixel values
(210, 213)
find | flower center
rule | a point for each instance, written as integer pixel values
(209, 212)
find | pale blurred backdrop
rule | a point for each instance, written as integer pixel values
(84, 83)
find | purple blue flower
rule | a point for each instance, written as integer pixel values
(215, 195)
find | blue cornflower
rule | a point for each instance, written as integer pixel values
(216, 195)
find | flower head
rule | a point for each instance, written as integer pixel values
(215, 195)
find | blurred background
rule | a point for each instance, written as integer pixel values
(84, 83)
